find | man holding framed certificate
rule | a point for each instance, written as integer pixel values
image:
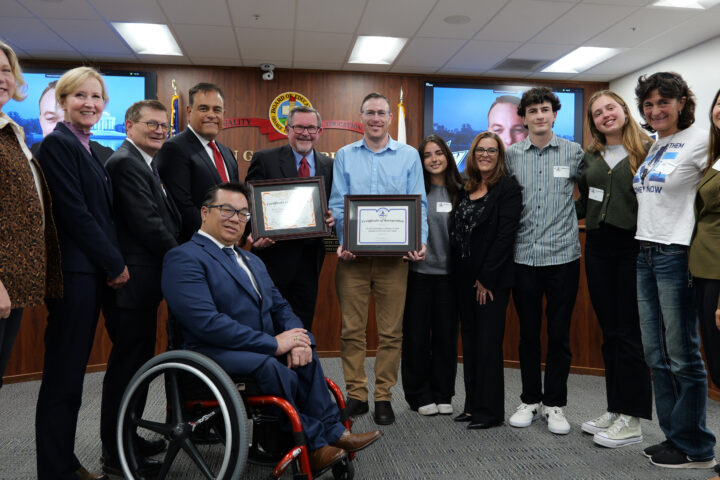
(377, 166)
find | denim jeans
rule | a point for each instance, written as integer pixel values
(671, 343)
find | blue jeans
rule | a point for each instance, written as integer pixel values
(672, 347)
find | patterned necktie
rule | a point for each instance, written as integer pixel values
(219, 161)
(304, 170)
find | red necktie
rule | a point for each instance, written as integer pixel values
(304, 170)
(219, 161)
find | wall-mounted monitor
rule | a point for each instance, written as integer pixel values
(457, 112)
(38, 113)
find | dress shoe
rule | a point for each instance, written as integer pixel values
(325, 456)
(353, 442)
(83, 474)
(149, 467)
(463, 417)
(384, 414)
(148, 448)
(484, 425)
(355, 407)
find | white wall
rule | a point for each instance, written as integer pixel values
(697, 65)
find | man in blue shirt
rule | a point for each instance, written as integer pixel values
(375, 165)
(547, 253)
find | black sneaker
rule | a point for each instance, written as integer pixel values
(653, 449)
(672, 457)
(355, 407)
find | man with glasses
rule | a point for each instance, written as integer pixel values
(375, 165)
(192, 161)
(148, 225)
(230, 310)
(294, 265)
(547, 258)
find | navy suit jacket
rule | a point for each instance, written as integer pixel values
(188, 172)
(218, 309)
(82, 205)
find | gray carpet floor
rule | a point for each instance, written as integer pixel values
(415, 447)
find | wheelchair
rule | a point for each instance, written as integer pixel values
(214, 424)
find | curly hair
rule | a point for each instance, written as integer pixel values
(668, 85)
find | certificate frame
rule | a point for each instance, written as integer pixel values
(398, 208)
(261, 223)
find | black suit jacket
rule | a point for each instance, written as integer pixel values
(280, 258)
(188, 172)
(102, 152)
(492, 242)
(82, 205)
(148, 226)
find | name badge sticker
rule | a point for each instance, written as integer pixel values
(560, 171)
(596, 194)
(443, 207)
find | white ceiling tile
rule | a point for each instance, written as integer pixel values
(11, 8)
(634, 3)
(628, 61)
(130, 11)
(366, 68)
(273, 46)
(257, 61)
(573, 27)
(322, 66)
(329, 15)
(272, 13)
(479, 12)
(542, 51)
(506, 74)
(428, 52)
(84, 35)
(481, 56)
(639, 27)
(521, 20)
(396, 18)
(70, 9)
(164, 60)
(216, 61)
(207, 12)
(31, 35)
(411, 69)
(327, 47)
(686, 34)
(198, 40)
(588, 77)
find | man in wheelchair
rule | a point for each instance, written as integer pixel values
(230, 310)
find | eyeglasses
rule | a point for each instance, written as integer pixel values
(227, 211)
(301, 128)
(153, 125)
(484, 151)
(372, 113)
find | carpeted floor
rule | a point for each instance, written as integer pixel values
(415, 447)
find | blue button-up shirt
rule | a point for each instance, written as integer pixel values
(548, 232)
(394, 170)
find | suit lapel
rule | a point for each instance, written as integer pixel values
(265, 292)
(234, 270)
(200, 155)
(288, 166)
(94, 163)
(708, 176)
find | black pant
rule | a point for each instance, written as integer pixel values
(133, 335)
(8, 332)
(707, 292)
(559, 284)
(429, 346)
(301, 291)
(483, 329)
(69, 338)
(611, 264)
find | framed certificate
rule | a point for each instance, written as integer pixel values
(287, 208)
(381, 224)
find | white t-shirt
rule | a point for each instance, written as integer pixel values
(665, 187)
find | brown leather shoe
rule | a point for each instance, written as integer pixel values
(83, 474)
(325, 456)
(353, 442)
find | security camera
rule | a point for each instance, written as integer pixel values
(267, 67)
(268, 76)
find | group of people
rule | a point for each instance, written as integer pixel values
(165, 219)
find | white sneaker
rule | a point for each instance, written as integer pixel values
(445, 409)
(556, 421)
(525, 415)
(624, 431)
(600, 424)
(429, 409)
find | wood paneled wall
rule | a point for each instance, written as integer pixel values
(337, 95)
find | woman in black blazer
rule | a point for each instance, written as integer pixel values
(482, 239)
(91, 262)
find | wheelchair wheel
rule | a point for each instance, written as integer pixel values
(217, 413)
(343, 470)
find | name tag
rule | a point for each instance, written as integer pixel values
(596, 194)
(716, 165)
(561, 171)
(443, 207)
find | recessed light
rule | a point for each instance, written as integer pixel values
(457, 19)
(148, 38)
(376, 50)
(581, 59)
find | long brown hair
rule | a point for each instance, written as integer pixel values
(474, 178)
(714, 144)
(453, 179)
(633, 138)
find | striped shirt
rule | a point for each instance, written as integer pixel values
(548, 232)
